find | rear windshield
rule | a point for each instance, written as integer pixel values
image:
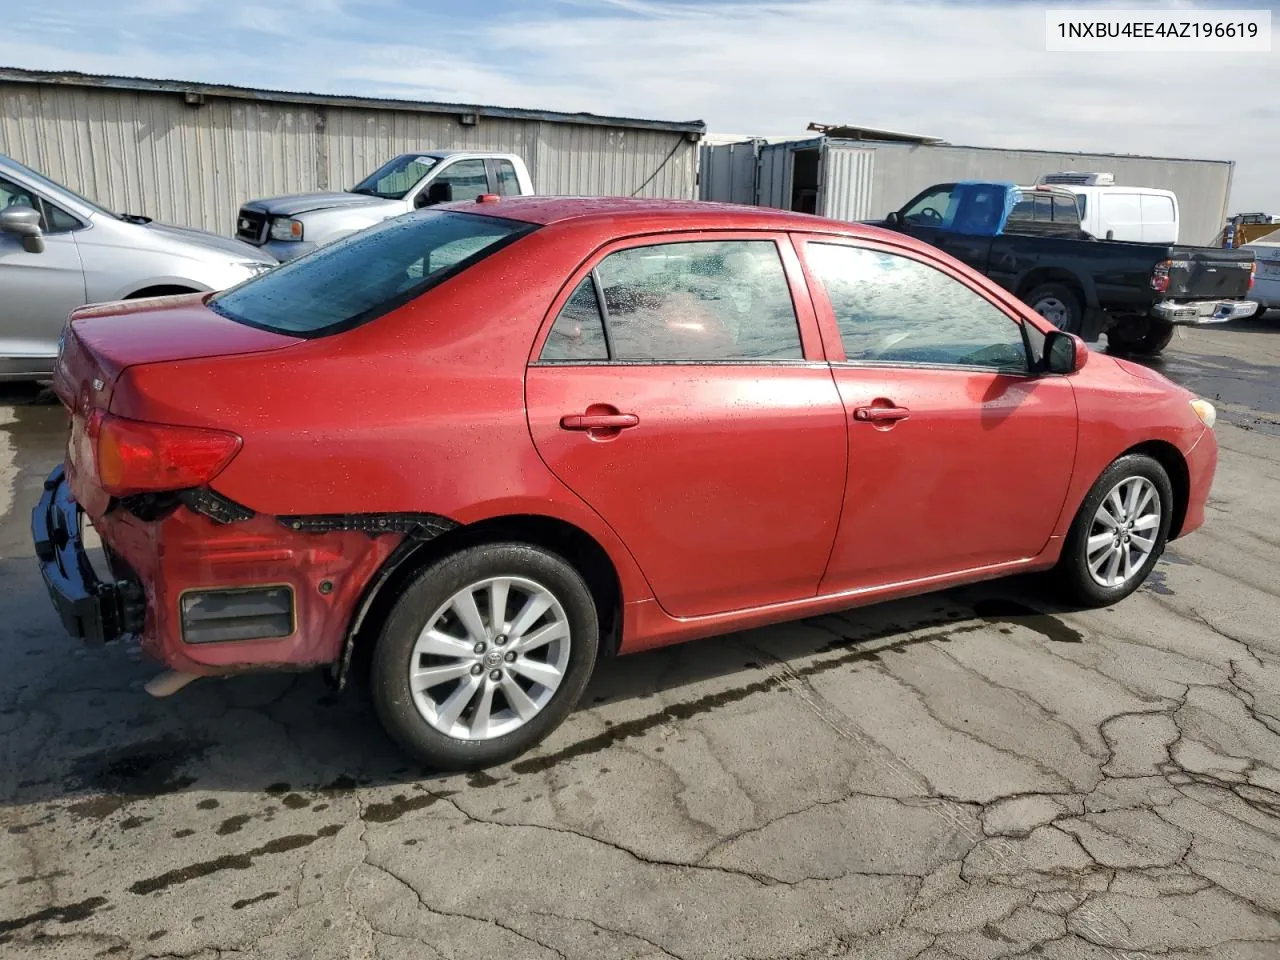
(370, 273)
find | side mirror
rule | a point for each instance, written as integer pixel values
(25, 223)
(441, 191)
(894, 218)
(1111, 234)
(1064, 352)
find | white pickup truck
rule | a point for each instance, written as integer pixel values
(287, 227)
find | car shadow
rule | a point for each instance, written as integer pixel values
(93, 741)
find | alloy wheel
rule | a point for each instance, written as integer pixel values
(1124, 532)
(490, 658)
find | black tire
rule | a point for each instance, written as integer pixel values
(429, 591)
(1061, 296)
(1072, 572)
(1155, 336)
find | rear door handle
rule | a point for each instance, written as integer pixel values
(599, 421)
(881, 414)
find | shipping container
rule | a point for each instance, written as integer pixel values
(863, 178)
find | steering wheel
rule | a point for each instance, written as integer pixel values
(930, 215)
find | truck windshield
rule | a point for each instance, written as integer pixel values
(397, 177)
(368, 274)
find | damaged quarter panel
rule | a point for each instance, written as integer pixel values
(420, 412)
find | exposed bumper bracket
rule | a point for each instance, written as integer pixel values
(91, 609)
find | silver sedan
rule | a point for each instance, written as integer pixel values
(59, 251)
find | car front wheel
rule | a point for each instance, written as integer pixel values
(1118, 534)
(484, 654)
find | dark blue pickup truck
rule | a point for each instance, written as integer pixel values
(1029, 240)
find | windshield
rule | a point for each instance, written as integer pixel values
(368, 274)
(394, 179)
(56, 188)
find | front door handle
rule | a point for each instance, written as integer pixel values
(881, 414)
(599, 421)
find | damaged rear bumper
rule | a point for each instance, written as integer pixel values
(91, 609)
(211, 587)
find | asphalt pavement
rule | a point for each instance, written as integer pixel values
(973, 774)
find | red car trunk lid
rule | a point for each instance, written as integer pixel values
(108, 338)
(103, 341)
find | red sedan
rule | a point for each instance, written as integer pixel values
(486, 444)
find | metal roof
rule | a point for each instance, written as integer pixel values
(71, 78)
(843, 131)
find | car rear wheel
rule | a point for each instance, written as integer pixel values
(1058, 304)
(1118, 534)
(484, 654)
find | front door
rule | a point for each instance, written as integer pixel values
(37, 290)
(681, 392)
(959, 458)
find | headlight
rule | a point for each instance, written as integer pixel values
(1204, 410)
(282, 228)
(255, 267)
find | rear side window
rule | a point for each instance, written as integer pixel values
(699, 301)
(578, 333)
(1064, 210)
(368, 274)
(508, 182)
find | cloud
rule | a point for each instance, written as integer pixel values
(968, 72)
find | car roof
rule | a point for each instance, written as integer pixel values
(672, 214)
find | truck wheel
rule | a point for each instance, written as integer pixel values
(1118, 534)
(1141, 340)
(1058, 304)
(483, 655)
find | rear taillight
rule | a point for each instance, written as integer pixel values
(133, 456)
(1160, 276)
(1253, 275)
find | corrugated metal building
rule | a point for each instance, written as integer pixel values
(191, 153)
(862, 174)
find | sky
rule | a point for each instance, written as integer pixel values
(969, 72)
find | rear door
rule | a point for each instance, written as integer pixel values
(1159, 218)
(680, 389)
(37, 290)
(959, 458)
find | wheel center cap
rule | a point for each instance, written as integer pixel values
(493, 658)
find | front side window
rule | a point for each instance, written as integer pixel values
(52, 219)
(467, 177)
(892, 309)
(394, 179)
(709, 301)
(57, 189)
(367, 274)
(929, 209)
(12, 195)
